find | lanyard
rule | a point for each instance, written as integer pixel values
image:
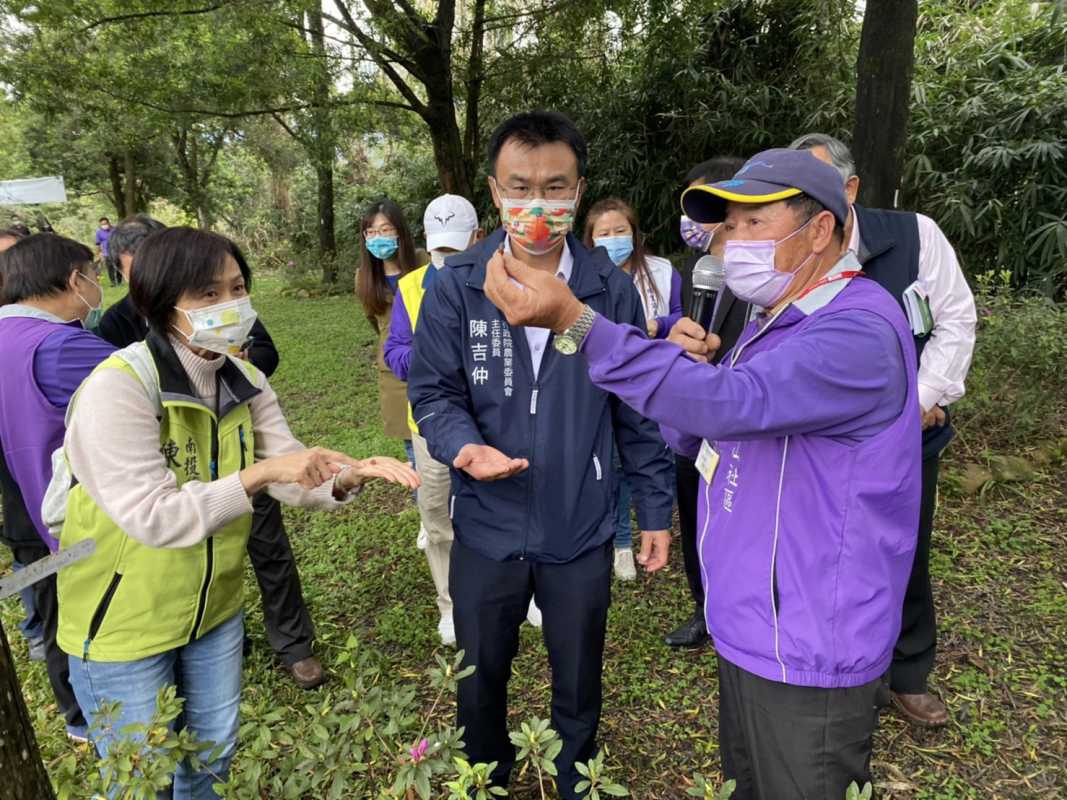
(848, 273)
(841, 276)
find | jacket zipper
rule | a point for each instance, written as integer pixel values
(209, 542)
(596, 466)
(774, 557)
(101, 611)
(241, 436)
(534, 392)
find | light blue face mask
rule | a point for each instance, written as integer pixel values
(383, 247)
(619, 248)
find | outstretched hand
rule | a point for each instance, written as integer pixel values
(382, 468)
(528, 296)
(485, 463)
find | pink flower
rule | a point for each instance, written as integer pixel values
(418, 753)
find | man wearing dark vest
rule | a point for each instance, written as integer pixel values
(899, 250)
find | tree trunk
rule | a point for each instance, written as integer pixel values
(24, 774)
(448, 154)
(118, 196)
(327, 242)
(325, 145)
(130, 178)
(883, 97)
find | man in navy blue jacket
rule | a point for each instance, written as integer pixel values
(530, 439)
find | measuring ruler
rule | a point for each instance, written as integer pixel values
(30, 574)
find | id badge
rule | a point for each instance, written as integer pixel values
(707, 461)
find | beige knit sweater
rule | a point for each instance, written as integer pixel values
(112, 444)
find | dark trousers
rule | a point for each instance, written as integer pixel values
(46, 602)
(285, 616)
(798, 742)
(913, 657)
(114, 274)
(490, 599)
(687, 481)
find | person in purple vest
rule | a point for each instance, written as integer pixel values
(50, 286)
(810, 467)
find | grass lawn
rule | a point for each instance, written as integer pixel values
(998, 562)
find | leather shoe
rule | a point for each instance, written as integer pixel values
(694, 633)
(308, 673)
(921, 709)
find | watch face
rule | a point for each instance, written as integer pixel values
(565, 345)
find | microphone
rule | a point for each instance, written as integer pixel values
(709, 275)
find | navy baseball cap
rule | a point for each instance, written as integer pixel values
(767, 177)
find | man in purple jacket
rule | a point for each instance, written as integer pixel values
(51, 286)
(809, 493)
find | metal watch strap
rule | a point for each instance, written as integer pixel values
(581, 327)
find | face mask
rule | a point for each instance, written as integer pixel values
(694, 234)
(536, 225)
(750, 271)
(92, 320)
(437, 258)
(221, 328)
(383, 247)
(619, 248)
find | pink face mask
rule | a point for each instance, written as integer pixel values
(750, 271)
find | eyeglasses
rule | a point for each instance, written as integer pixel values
(522, 191)
(384, 231)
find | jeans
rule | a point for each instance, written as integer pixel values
(32, 626)
(207, 673)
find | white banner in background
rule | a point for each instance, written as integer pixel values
(32, 190)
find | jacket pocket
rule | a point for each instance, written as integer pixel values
(102, 606)
(598, 468)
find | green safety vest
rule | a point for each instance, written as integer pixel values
(411, 289)
(127, 600)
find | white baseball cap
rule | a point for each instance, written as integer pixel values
(449, 222)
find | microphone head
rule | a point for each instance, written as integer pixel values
(709, 273)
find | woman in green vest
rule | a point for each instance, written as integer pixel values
(388, 253)
(163, 483)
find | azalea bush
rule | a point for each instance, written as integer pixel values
(364, 738)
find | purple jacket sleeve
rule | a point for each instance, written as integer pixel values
(65, 359)
(397, 351)
(843, 376)
(675, 314)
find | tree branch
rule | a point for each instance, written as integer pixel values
(258, 112)
(373, 47)
(148, 14)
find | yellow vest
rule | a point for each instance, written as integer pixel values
(411, 289)
(127, 600)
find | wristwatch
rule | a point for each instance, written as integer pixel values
(571, 339)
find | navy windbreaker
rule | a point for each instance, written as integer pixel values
(472, 381)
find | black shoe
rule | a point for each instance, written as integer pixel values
(694, 633)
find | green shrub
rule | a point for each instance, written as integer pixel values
(1017, 388)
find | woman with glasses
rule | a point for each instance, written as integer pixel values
(388, 252)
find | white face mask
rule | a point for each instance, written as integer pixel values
(221, 328)
(437, 258)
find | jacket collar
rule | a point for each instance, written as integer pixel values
(588, 277)
(234, 386)
(30, 312)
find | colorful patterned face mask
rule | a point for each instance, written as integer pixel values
(537, 225)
